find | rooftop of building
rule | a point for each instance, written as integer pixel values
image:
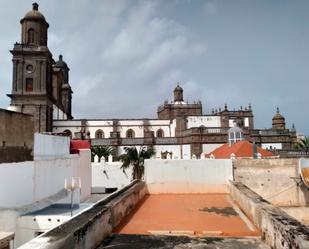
(241, 149)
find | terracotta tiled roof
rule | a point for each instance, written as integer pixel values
(241, 149)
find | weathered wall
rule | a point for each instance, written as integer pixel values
(16, 136)
(188, 176)
(276, 180)
(300, 213)
(279, 230)
(91, 227)
(109, 175)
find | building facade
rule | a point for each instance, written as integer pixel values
(40, 85)
(181, 130)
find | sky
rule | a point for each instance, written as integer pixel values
(127, 56)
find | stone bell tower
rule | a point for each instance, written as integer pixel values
(32, 71)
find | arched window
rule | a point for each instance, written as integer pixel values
(130, 133)
(31, 36)
(160, 133)
(68, 133)
(99, 134)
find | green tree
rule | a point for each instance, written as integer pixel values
(136, 158)
(101, 150)
(303, 144)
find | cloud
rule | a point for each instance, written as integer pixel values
(146, 54)
(127, 56)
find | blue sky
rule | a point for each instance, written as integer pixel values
(127, 56)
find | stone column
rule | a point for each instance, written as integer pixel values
(15, 64)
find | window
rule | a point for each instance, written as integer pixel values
(29, 85)
(99, 134)
(160, 133)
(130, 133)
(29, 68)
(31, 36)
(67, 133)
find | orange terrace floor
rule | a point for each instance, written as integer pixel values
(187, 214)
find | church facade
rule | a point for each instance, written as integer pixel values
(180, 131)
(40, 87)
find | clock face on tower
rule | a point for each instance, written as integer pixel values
(29, 68)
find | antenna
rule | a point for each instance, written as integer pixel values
(304, 170)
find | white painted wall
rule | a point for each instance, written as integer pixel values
(188, 176)
(173, 128)
(207, 121)
(175, 149)
(84, 172)
(50, 147)
(207, 148)
(277, 146)
(109, 175)
(105, 125)
(186, 151)
(246, 122)
(27, 182)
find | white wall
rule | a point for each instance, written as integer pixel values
(114, 177)
(84, 172)
(277, 146)
(175, 149)
(207, 148)
(188, 176)
(186, 151)
(207, 121)
(27, 182)
(50, 147)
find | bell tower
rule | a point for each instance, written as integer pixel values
(32, 71)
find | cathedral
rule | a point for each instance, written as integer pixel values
(40, 87)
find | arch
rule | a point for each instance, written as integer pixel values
(67, 133)
(130, 133)
(30, 36)
(99, 134)
(160, 133)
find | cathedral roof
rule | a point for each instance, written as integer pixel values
(278, 116)
(61, 63)
(178, 88)
(34, 14)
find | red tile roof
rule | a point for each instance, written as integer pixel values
(241, 149)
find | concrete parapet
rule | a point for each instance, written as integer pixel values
(89, 229)
(279, 230)
(276, 180)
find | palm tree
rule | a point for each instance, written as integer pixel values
(303, 144)
(136, 158)
(100, 151)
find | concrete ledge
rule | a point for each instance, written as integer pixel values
(186, 188)
(91, 227)
(279, 230)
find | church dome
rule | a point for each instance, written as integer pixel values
(278, 121)
(278, 117)
(34, 14)
(178, 88)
